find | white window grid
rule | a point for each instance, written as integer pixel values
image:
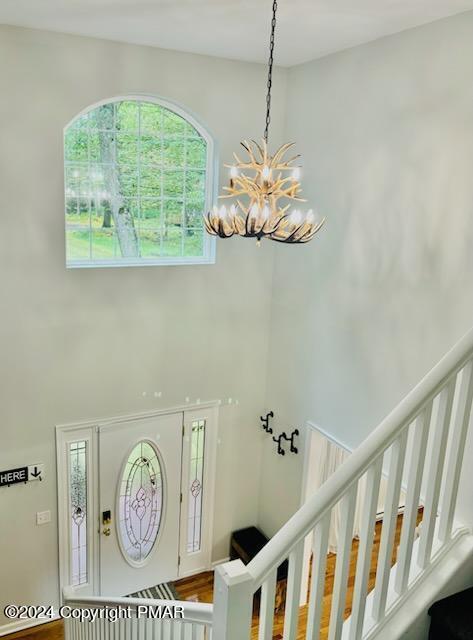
(139, 200)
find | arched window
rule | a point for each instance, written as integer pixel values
(139, 174)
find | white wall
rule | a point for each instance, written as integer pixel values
(364, 311)
(81, 344)
(357, 316)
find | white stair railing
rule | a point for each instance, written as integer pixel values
(138, 621)
(434, 417)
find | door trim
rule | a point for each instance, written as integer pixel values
(129, 417)
(89, 430)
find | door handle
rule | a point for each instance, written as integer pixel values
(106, 531)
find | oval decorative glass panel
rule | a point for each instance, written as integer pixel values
(140, 502)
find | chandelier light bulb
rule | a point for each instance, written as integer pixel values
(296, 174)
(254, 211)
(262, 191)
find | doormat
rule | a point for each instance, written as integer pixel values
(163, 591)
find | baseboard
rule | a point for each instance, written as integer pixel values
(20, 625)
(217, 562)
(195, 572)
(407, 618)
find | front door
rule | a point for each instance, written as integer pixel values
(139, 503)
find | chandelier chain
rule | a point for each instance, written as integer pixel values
(270, 70)
(262, 188)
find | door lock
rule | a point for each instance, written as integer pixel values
(106, 520)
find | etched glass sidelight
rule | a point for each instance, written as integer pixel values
(140, 502)
(196, 479)
(78, 511)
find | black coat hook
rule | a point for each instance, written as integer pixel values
(290, 439)
(278, 440)
(293, 435)
(265, 422)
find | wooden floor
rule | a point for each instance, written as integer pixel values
(48, 631)
(199, 588)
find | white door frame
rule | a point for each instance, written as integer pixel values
(89, 432)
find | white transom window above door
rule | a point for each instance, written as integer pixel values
(136, 499)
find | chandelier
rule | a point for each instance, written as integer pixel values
(264, 189)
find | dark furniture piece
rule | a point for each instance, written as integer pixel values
(452, 617)
(245, 544)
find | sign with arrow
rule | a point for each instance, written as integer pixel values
(21, 474)
(35, 472)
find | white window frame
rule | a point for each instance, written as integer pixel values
(211, 187)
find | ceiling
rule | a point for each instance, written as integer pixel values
(235, 29)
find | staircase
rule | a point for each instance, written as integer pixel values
(433, 418)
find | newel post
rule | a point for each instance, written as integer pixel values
(233, 602)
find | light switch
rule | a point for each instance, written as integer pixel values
(43, 517)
